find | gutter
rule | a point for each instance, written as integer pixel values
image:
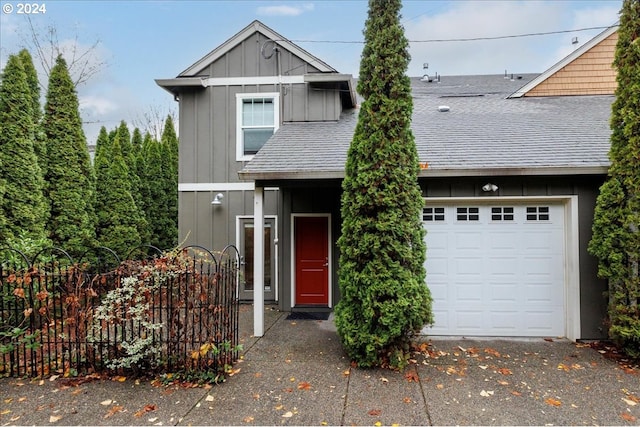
(429, 173)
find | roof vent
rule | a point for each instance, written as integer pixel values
(443, 108)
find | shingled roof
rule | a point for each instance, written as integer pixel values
(483, 133)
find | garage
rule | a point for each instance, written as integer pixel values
(496, 269)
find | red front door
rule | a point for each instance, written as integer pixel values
(311, 260)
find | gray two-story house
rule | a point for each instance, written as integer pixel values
(511, 166)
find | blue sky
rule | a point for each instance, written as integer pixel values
(148, 39)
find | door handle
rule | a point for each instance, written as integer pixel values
(326, 262)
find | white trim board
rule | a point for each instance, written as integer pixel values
(220, 186)
(258, 80)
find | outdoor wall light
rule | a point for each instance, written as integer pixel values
(218, 199)
(490, 187)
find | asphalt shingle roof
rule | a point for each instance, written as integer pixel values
(482, 133)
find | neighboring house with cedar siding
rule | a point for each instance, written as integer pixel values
(510, 178)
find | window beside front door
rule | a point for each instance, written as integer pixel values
(257, 120)
(247, 251)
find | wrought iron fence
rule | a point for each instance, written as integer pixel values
(163, 313)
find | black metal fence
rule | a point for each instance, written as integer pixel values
(162, 313)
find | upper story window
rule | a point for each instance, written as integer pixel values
(257, 119)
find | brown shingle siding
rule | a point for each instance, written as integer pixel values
(591, 73)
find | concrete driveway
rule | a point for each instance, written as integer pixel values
(297, 374)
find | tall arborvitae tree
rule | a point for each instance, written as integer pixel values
(382, 251)
(170, 139)
(616, 235)
(102, 141)
(170, 148)
(118, 216)
(138, 190)
(70, 179)
(147, 181)
(34, 89)
(158, 175)
(24, 207)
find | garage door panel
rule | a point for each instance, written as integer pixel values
(502, 240)
(499, 277)
(507, 293)
(469, 292)
(438, 240)
(468, 240)
(539, 239)
(470, 320)
(438, 292)
(541, 322)
(504, 322)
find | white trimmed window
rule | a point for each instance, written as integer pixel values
(257, 119)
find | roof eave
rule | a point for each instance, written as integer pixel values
(525, 171)
(329, 78)
(430, 173)
(172, 85)
(290, 175)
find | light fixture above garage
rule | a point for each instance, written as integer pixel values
(490, 187)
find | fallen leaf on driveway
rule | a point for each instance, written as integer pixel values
(147, 408)
(485, 393)
(304, 386)
(374, 412)
(552, 402)
(628, 417)
(505, 371)
(287, 414)
(411, 376)
(629, 402)
(631, 396)
(115, 409)
(492, 352)
(440, 386)
(106, 402)
(384, 380)
(406, 400)
(54, 418)
(248, 419)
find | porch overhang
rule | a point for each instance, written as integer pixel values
(173, 86)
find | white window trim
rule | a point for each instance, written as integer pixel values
(240, 156)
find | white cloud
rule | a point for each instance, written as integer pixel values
(97, 105)
(285, 10)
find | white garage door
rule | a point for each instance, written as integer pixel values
(496, 270)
